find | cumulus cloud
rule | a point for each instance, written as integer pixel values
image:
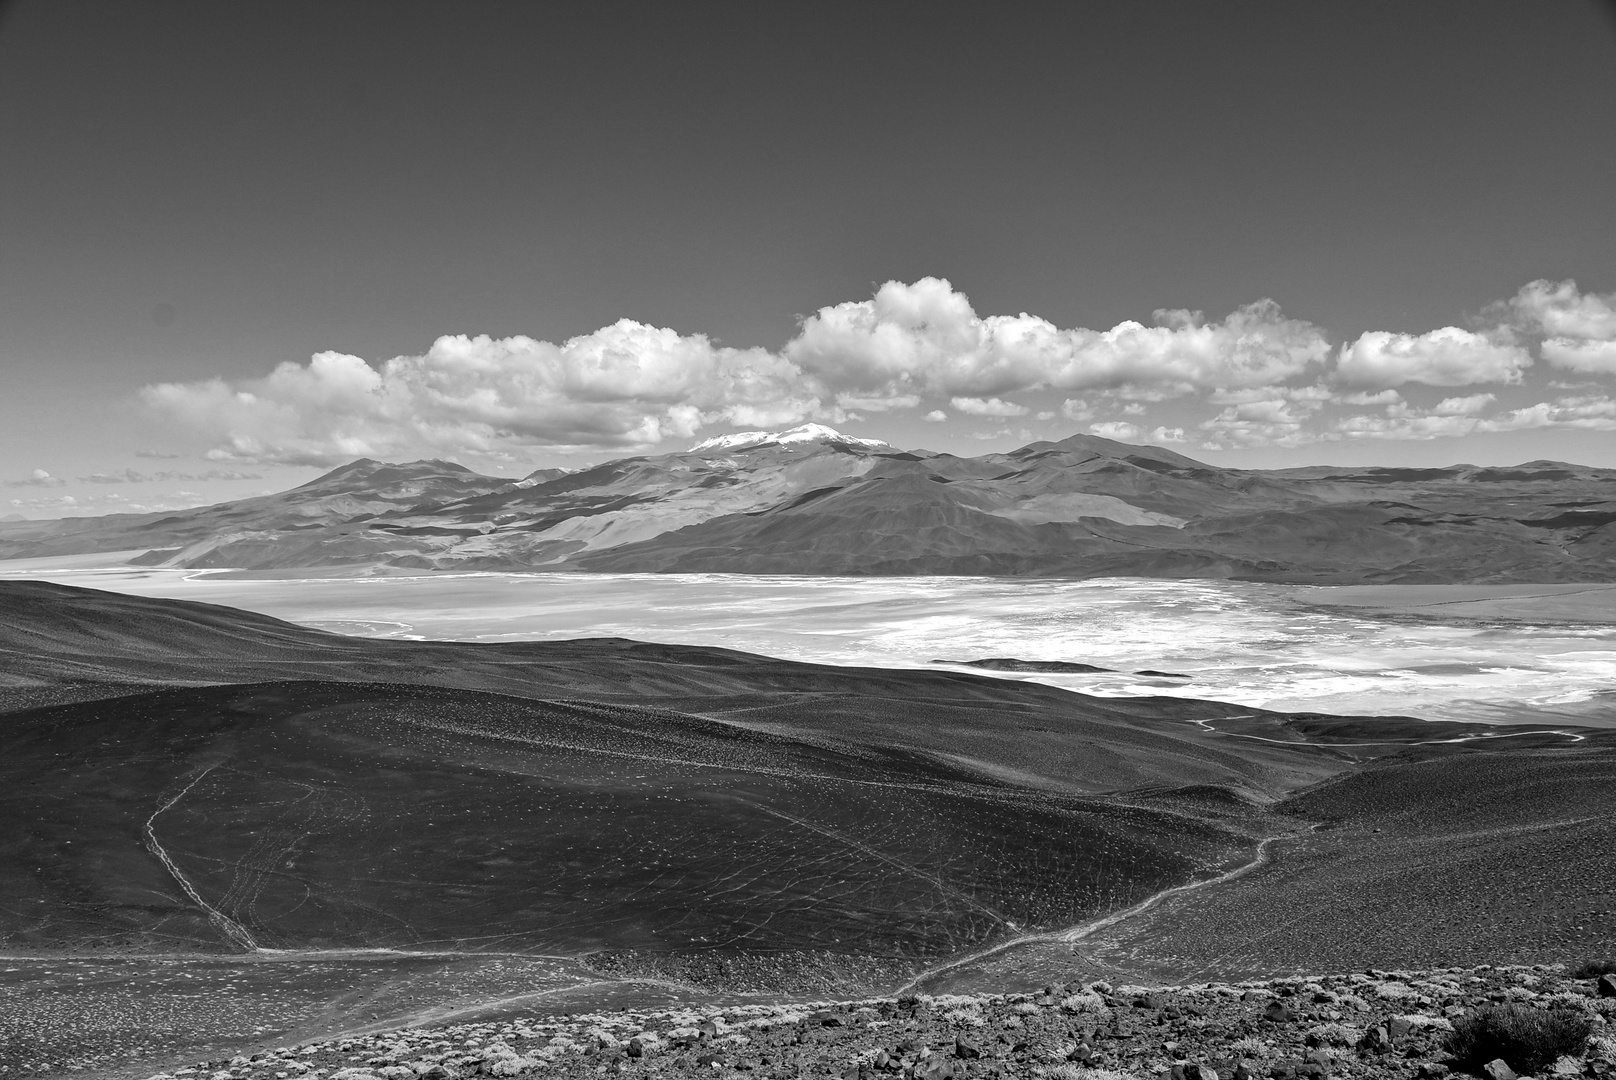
(1454, 417)
(1274, 420)
(1590, 412)
(1595, 357)
(1578, 329)
(1558, 309)
(1446, 357)
(1381, 397)
(925, 337)
(988, 407)
(1405, 427)
(1464, 406)
(624, 385)
(910, 346)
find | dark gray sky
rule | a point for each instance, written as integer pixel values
(198, 190)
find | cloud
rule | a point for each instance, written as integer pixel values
(1591, 412)
(936, 416)
(910, 346)
(627, 384)
(1383, 397)
(1454, 417)
(1277, 420)
(1416, 428)
(1558, 309)
(146, 453)
(1446, 357)
(926, 338)
(132, 476)
(877, 404)
(1122, 431)
(1593, 356)
(1464, 406)
(37, 478)
(988, 407)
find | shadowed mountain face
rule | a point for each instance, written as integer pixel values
(184, 776)
(816, 502)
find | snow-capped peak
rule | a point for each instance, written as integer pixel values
(803, 433)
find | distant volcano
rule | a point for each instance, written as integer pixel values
(812, 500)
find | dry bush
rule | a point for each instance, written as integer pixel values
(1528, 1039)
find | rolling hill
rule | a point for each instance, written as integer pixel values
(814, 501)
(185, 776)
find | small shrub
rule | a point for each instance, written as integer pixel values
(1333, 1034)
(1086, 1002)
(1250, 1046)
(1528, 1039)
(1592, 969)
(1079, 1072)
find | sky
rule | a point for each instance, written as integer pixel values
(243, 243)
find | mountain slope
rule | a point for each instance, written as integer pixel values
(232, 782)
(814, 501)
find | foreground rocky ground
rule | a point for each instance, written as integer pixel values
(1373, 1024)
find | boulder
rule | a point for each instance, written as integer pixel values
(1606, 986)
(1277, 1012)
(1498, 1069)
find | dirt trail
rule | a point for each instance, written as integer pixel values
(229, 927)
(1085, 929)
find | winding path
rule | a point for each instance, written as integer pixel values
(229, 927)
(1206, 725)
(1085, 929)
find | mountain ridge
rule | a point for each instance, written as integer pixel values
(810, 500)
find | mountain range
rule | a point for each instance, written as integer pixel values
(815, 501)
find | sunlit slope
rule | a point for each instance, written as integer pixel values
(818, 502)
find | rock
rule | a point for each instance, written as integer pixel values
(1277, 1012)
(966, 1048)
(1399, 1027)
(1433, 1070)
(1606, 986)
(1497, 1069)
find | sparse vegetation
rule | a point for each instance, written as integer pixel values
(1592, 969)
(1529, 1040)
